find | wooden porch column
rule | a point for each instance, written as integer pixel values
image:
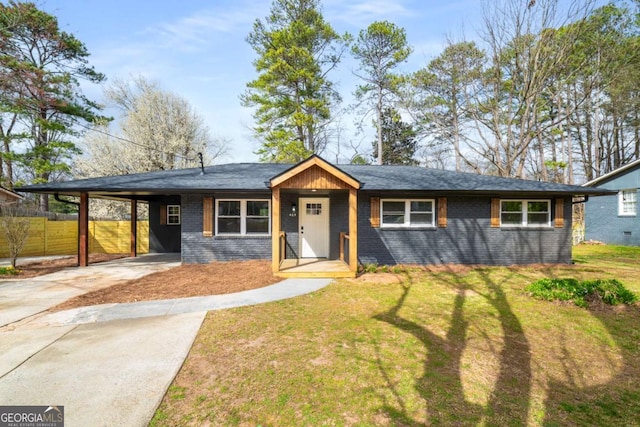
(353, 230)
(134, 228)
(83, 230)
(275, 229)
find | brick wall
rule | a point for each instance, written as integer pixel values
(467, 239)
(199, 249)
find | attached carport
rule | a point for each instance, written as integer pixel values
(134, 189)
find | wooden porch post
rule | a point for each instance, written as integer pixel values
(83, 230)
(275, 229)
(353, 230)
(134, 228)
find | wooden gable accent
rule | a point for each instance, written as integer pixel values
(315, 178)
(374, 217)
(495, 213)
(559, 219)
(315, 173)
(442, 212)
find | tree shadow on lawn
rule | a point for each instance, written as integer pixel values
(614, 402)
(509, 401)
(441, 385)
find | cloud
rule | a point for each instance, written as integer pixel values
(200, 29)
(363, 12)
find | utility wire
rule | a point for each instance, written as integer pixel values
(95, 129)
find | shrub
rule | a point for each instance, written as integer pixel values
(610, 291)
(399, 269)
(8, 271)
(369, 268)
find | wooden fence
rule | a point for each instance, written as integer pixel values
(47, 237)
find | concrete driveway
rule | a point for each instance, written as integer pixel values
(110, 365)
(20, 299)
(104, 374)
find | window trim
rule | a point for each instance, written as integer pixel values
(243, 217)
(407, 214)
(174, 215)
(525, 206)
(621, 211)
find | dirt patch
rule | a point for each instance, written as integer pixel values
(383, 278)
(180, 282)
(39, 268)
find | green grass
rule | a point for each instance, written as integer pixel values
(440, 347)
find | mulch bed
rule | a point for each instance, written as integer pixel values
(188, 280)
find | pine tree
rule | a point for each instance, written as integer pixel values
(292, 95)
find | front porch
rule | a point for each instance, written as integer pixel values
(314, 221)
(312, 267)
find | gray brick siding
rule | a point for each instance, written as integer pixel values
(467, 239)
(197, 249)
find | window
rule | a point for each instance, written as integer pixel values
(525, 213)
(314, 208)
(257, 216)
(627, 202)
(242, 217)
(173, 214)
(407, 213)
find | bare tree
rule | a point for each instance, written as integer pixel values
(159, 130)
(15, 229)
(525, 54)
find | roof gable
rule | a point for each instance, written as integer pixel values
(6, 194)
(614, 173)
(314, 172)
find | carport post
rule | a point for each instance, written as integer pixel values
(134, 228)
(83, 230)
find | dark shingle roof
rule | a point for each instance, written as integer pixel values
(418, 178)
(256, 176)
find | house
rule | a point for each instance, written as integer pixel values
(7, 196)
(614, 218)
(319, 219)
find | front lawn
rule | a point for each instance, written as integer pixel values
(436, 346)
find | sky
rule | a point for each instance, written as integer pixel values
(198, 50)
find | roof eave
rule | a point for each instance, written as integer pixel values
(612, 173)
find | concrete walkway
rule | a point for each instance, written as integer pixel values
(110, 364)
(288, 288)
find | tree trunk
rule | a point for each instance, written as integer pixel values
(379, 113)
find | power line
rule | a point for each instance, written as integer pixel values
(94, 129)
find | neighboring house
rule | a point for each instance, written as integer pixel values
(300, 215)
(7, 196)
(614, 218)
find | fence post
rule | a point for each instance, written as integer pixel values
(83, 230)
(134, 228)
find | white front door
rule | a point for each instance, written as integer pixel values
(314, 227)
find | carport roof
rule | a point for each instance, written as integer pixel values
(255, 177)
